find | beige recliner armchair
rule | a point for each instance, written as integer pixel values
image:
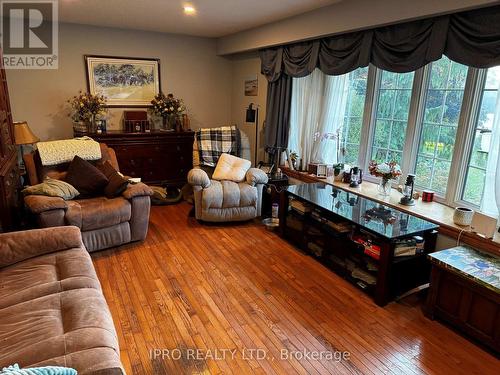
(220, 201)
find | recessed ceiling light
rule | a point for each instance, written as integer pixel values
(189, 9)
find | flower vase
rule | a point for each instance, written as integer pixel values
(169, 122)
(384, 187)
(79, 128)
(91, 125)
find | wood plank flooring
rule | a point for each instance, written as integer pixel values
(195, 291)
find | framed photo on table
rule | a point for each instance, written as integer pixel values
(124, 81)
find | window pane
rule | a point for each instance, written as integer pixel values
(484, 148)
(353, 119)
(393, 105)
(442, 107)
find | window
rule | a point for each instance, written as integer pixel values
(391, 116)
(326, 116)
(419, 119)
(482, 165)
(353, 118)
(441, 111)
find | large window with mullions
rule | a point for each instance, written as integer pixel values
(393, 97)
(442, 102)
(441, 122)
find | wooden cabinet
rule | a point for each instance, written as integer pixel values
(156, 157)
(464, 292)
(9, 174)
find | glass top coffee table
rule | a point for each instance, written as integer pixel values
(375, 217)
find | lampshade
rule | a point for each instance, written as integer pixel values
(23, 134)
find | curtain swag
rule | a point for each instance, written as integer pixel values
(471, 38)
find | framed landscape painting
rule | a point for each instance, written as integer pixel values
(124, 81)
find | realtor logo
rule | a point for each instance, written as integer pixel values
(29, 34)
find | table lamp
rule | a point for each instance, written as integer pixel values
(23, 136)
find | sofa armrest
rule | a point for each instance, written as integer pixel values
(256, 176)
(137, 190)
(198, 177)
(40, 203)
(18, 246)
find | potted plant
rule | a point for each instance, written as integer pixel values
(86, 109)
(386, 172)
(170, 109)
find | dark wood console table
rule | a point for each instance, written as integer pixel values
(361, 240)
(157, 157)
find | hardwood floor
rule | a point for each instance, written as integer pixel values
(240, 287)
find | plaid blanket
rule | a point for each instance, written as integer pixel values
(213, 142)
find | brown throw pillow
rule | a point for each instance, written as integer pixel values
(117, 184)
(86, 178)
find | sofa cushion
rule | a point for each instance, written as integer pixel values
(46, 274)
(53, 188)
(72, 328)
(231, 168)
(228, 194)
(86, 178)
(97, 213)
(116, 182)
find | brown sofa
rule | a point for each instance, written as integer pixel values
(104, 222)
(52, 310)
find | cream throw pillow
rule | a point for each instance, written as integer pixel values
(231, 168)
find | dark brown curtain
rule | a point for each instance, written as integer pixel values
(279, 95)
(471, 38)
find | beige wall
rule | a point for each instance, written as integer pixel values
(340, 17)
(243, 67)
(190, 69)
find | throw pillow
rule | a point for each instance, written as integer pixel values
(86, 178)
(52, 188)
(48, 370)
(231, 168)
(117, 183)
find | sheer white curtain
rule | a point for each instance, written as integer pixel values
(317, 113)
(492, 182)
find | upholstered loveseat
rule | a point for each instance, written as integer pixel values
(52, 310)
(103, 222)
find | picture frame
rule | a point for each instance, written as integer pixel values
(124, 81)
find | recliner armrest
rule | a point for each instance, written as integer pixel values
(41, 203)
(198, 177)
(256, 176)
(137, 190)
(18, 246)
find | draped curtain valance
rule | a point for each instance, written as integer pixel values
(471, 38)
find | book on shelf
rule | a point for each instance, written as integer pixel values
(300, 206)
(409, 247)
(370, 248)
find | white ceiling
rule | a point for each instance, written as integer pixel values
(213, 18)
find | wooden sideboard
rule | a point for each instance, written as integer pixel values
(9, 173)
(157, 157)
(465, 293)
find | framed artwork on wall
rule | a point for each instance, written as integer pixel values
(124, 81)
